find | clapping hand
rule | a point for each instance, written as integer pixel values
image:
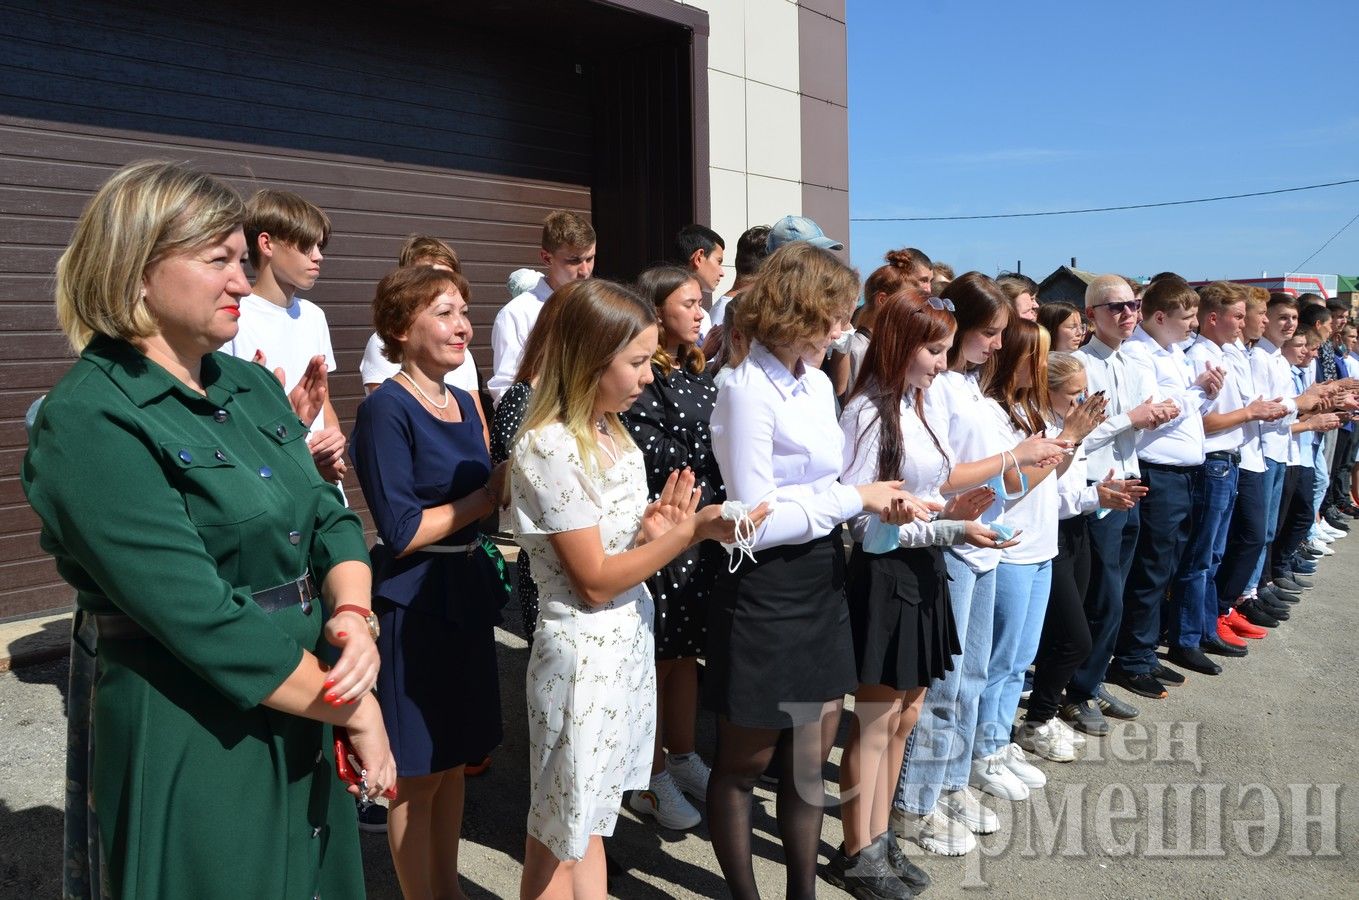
(968, 505)
(1120, 493)
(1085, 418)
(678, 501)
(308, 396)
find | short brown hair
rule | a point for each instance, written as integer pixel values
(563, 228)
(1312, 336)
(285, 217)
(801, 293)
(1168, 294)
(427, 250)
(1217, 296)
(400, 297)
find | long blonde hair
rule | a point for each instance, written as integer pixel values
(144, 213)
(596, 321)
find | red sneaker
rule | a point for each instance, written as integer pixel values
(1237, 623)
(1227, 635)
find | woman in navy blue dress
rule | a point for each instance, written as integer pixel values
(422, 461)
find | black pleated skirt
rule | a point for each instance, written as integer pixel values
(779, 643)
(900, 616)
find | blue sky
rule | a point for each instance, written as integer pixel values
(960, 108)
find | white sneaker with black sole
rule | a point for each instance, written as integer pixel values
(934, 831)
(963, 806)
(665, 803)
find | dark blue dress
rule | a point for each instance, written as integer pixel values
(438, 687)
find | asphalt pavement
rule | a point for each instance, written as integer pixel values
(1240, 785)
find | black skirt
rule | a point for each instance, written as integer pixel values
(901, 618)
(779, 642)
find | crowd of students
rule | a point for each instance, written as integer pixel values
(934, 493)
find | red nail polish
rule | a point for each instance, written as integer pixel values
(329, 682)
(330, 698)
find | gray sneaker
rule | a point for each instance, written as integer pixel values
(1086, 717)
(1112, 706)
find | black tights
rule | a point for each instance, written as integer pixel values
(743, 754)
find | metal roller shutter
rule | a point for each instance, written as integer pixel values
(392, 122)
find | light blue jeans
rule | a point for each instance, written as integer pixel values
(939, 753)
(1321, 473)
(1274, 479)
(1021, 603)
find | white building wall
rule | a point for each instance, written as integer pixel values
(755, 102)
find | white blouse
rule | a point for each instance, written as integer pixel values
(776, 441)
(956, 398)
(924, 469)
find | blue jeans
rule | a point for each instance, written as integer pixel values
(939, 753)
(1273, 494)
(1194, 594)
(1113, 542)
(1021, 604)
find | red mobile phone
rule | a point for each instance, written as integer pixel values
(347, 765)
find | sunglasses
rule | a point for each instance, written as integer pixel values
(1121, 307)
(941, 303)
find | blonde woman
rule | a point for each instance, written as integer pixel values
(578, 488)
(215, 564)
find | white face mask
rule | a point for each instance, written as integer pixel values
(841, 344)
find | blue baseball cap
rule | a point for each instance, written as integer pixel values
(799, 228)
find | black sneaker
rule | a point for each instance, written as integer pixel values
(1112, 706)
(1334, 519)
(373, 819)
(866, 875)
(1274, 608)
(1256, 615)
(915, 878)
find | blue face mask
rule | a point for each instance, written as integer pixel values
(879, 537)
(997, 483)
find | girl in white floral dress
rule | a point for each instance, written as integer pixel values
(579, 492)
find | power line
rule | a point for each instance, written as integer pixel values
(1299, 266)
(1096, 209)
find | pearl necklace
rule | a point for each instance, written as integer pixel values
(426, 397)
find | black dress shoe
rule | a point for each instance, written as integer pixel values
(1193, 659)
(1221, 648)
(1256, 615)
(1167, 675)
(1143, 684)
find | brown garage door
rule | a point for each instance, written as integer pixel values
(395, 123)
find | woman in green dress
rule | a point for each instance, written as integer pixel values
(179, 500)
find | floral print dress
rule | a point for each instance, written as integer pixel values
(591, 680)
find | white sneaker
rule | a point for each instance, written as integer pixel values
(664, 802)
(963, 806)
(1047, 740)
(993, 775)
(1324, 534)
(934, 831)
(1077, 739)
(1025, 771)
(690, 774)
(1322, 547)
(1332, 530)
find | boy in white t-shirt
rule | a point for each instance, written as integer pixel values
(283, 332)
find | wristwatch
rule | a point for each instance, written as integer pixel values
(363, 611)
